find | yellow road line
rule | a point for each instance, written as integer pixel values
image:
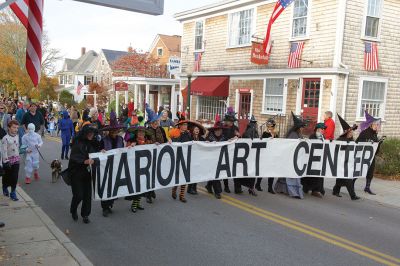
(313, 229)
(308, 230)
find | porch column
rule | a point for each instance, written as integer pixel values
(136, 94)
(147, 93)
(126, 97)
(117, 103)
(172, 106)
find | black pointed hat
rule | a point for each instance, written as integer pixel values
(345, 126)
(297, 121)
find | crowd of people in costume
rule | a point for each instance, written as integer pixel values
(159, 128)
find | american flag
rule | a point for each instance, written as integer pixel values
(296, 48)
(79, 88)
(279, 8)
(371, 62)
(30, 13)
(197, 61)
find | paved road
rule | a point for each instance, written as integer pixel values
(238, 230)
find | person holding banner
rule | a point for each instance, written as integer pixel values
(79, 171)
(369, 133)
(231, 131)
(110, 142)
(250, 133)
(138, 135)
(181, 134)
(315, 184)
(157, 136)
(341, 182)
(292, 186)
(197, 131)
(215, 134)
(166, 123)
(269, 133)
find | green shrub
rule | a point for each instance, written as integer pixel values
(388, 158)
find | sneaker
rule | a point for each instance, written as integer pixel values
(6, 193)
(27, 180)
(86, 220)
(13, 196)
(36, 176)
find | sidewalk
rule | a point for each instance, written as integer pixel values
(31, 238)
(387, 192)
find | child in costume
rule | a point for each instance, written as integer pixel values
(32, 141)
(11, 158)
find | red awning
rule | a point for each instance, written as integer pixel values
(209, 86)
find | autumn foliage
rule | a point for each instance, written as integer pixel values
(136, 64)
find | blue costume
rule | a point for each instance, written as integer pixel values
(67, 131)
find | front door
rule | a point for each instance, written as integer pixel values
(244, 111)
(310, 103)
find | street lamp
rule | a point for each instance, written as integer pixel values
(189, 76)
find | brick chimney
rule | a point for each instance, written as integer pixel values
(130, 49)
(83, 51)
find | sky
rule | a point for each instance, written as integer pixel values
(71, 25)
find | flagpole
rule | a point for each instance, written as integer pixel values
(6, 4)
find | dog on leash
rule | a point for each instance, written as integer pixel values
(56, 168)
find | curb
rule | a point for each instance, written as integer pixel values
(73, 250)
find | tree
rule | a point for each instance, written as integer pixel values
(136, 64)
(102, 94)
(13, 42)
(67, 98)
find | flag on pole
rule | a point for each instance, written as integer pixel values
(296, 49)
(79, 88)
(30, 13)
(279, 8)
(197, 61)
(371, 62)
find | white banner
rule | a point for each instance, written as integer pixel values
(122, 172)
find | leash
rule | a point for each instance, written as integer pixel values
(42, 156)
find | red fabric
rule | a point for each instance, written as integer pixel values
(209, 86)
(329, 132)
(131, 107)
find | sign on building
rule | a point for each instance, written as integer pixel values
(174, 65)
(151, 7)
(121, 86)
(258, 56)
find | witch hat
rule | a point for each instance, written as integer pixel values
(297, 121)
(230, 114)
(114, 125)
(151, 115)
(369, 119)
(218, 124)
(253, 119)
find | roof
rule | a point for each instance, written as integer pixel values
(113, 55)
(172, 42)
(69, 64)
(86, 63)
(220, 6)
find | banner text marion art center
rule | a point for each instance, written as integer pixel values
(122, 172)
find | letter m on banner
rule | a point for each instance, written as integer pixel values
(280, 6)
(30, 13)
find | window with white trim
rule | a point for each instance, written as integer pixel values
(300, 18)
(274, 95)
(62, 79)
(159, 52)
(240, 27)
(198, 36)
(372, 98)
(372, 19)
(210, 106)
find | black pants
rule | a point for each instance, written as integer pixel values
(216, 186)
(315, 184)
(192, 187)
(10, 178)
(107, 204)
(348, 183)
(81, 192)
(370, 174)
(270, 182)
